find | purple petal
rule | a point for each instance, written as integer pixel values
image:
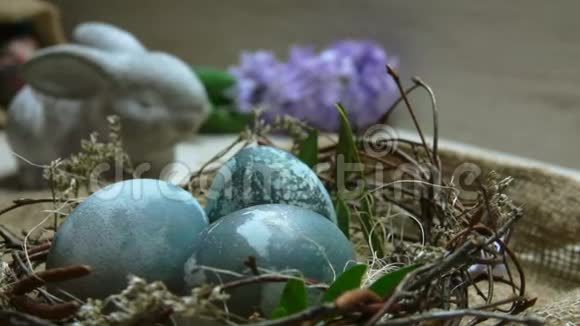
(309, 84)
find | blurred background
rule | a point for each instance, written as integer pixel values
(505, 73)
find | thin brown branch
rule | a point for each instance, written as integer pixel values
(393, 73)
(458, 257)
(39, 256)
(22, 319)
(453, 314)
(510, 253)
(493, 305)
(385, 117)
(40, 248)
(212, 160)
(424, 275)
(27, 201)
(56, 311)
(39, 279)
(435, 111)
(393, 298)
(262, 278)
(311, 314)
(11, 240)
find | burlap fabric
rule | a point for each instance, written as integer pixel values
(547, 238)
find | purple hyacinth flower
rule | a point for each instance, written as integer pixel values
(255, 73)
(309, 84)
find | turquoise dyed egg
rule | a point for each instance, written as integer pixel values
(266, 175)
(142, 227)
(280, 238)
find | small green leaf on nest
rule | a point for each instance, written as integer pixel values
(308, 149)
(347, 152)
(389, 281)
(349, 280)
(346, 145)
(343, 216)
(294, 299)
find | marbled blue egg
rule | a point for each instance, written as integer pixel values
(143, 227)
(266, 175)
(280, 237)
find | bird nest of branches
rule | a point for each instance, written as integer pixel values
(432, 248)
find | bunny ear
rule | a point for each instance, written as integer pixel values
(107, 37)
(69, 71)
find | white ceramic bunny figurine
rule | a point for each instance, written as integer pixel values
(73, 88)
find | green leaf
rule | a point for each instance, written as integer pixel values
(308, 149)
(347, 148)
(216, 82)
(389, 282)
(367, 215)
(346, 145)
(223, 120)
(294, 299)
(348, 280)
(343, 216)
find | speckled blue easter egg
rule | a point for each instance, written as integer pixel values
(281, 238)
(266, 175)
(143, 227)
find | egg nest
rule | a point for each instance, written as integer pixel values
(409, 210)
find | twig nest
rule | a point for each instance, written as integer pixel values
(266, 175)
(281, 238)
(143, 227)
